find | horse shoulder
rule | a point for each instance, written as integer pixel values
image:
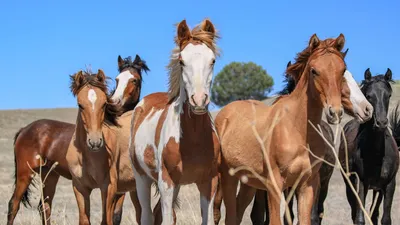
(74, 158)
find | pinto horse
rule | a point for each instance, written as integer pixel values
(319, 70)
(173, 141)
(361, 110)
(372, 152)
(50, 140)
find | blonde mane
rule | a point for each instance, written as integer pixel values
(174, 68)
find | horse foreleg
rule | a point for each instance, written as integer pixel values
(23, 180)
(82, 195)
(246, 194)
(218, 201)
(375, 211)
(290, 206)
(207, 193)
(117, 217)
(143, 187)
(109, 201)
(306, 195)
(136, 204)
(259, 208)
(387, 202)
(362, 194)
(168, 194)
(229, 186)
(48, 192)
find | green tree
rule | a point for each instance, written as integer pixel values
(239, 81)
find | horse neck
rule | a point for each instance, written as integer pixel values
(305, 107)
(375, 138)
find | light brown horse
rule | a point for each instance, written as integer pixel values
(97, 156)
(173, 141)
(50, 139)
(318, 91)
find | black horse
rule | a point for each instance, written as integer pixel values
(372, 152)
(260, 206)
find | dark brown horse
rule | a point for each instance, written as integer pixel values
(50, 140)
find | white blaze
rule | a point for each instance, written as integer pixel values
(123, 79)
(92, 97)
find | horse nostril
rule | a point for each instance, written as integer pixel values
(331, 111)
(205, 99)
(341, 111)
(194, 102)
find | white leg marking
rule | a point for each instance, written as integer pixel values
(168, 195)
(143, 187)
(123, 79)
(92, 97)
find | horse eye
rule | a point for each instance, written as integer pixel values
(213, 61)
(134, 81)
(181, 62)
(80, 106)
(314, 72)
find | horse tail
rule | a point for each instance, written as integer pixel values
(25, 197)
(177, 201)
(395, 123)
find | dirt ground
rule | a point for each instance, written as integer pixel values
(65, 209)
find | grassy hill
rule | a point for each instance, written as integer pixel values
(65, 208)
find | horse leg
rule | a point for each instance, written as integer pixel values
(229, 186)
(259, 208)
(375, 211)
(290, 207)
(351, 198)
(143, 187)
(23, 180)
(360, 220)
(207, 192)
(218, 202)
(119, 198)
(323, 193)
(168, 193)
(387, 202)
(136, 204)
(48, 192)
(274, 209)
(245, 195)
(82, 195)
(306, 195)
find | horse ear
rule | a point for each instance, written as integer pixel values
(289, 64)
(314, 42)
(120, 61)
(339, 42)
(183, 31)
(79, 78)
(367, 75)
(206, 25)
(140, 64)
(345, 53)
(388, 74)
(101, 77)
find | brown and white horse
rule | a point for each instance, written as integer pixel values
(246, 127)
(173, 141)
(50, 139)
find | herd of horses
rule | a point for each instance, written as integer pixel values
(122, 144)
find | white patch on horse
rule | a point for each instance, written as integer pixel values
(356, 96)
(92, 98)
(145, 136)
(123, 79)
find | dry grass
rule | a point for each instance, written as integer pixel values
(337, 210)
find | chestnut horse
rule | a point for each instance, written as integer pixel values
(321, 68)
(173, 141)
(50, 139)
(361, 110)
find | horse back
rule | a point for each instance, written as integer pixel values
(49, 139)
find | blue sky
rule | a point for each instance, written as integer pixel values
(42, 42)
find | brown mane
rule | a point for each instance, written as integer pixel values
(302, 58)
(112, 110)
(174, 68)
